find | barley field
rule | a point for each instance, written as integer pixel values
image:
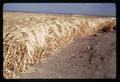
(29, 37)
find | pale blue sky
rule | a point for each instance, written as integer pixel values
(103, 9)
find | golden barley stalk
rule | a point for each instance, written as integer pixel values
(29, 37)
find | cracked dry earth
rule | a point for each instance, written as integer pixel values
(84, 58)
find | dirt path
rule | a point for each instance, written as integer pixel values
(85, 57)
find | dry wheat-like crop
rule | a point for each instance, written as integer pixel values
(28, 37)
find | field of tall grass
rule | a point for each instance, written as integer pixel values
(29, 37)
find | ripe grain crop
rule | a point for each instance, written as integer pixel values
(28, 37)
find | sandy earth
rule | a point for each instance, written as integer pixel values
(85, 57)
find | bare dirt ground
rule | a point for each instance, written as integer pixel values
(85, 57)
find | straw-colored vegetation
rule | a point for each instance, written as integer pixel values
(28, 37)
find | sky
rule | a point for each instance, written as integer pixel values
(101, 9)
